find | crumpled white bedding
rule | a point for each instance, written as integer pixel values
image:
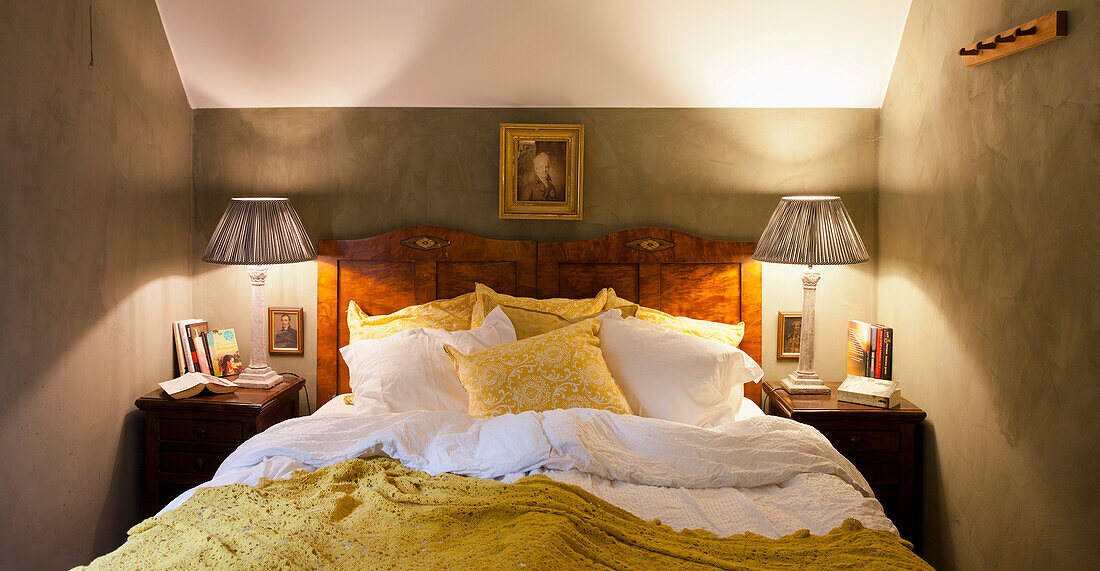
(765, 474)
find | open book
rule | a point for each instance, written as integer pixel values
(191, 384)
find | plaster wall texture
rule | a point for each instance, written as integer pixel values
(988, 270)
(95, 214)
(356, 172)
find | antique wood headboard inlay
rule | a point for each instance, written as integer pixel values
(660, 268)
(425, 243)
(650, 244)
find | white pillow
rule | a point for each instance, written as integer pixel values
(410, 371)
(673, 376)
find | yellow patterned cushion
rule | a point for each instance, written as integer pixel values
(531, 322)
(485, 299)
(560, 369)
(447, 314)
(627, 307)
(720, 332)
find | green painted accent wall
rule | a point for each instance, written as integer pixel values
(988, 270)
(95, 263)
(357, 172)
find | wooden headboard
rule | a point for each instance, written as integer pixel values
(664, 269)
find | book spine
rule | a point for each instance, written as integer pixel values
(211, 343)
(869, 400)
(200, 350)
(878, 352)
(209, 355)
(869, 364)
(887, 353)
(194, 368)
(182, 368)
(181, 336)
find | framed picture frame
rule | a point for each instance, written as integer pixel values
(790, 335)
(284, 330)
(541, 171)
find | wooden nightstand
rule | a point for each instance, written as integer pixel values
(881, 443)
(187, 439)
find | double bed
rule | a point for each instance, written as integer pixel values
(353, 487)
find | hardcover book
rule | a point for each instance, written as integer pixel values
(185, 349)
(195, 331)
(224, 353)
(859, 348)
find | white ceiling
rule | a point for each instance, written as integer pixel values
(520, 53)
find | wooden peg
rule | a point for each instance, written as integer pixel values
(1017, 39)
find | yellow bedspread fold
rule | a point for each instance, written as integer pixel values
(378, 514)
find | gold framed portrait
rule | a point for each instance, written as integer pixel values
(541, 167)
(284, 330)
(790, 334)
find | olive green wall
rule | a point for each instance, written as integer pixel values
(95, 214)
(356, 172)
(988, 270)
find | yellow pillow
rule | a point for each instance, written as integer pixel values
(531, 322)
(720, 332)
(629, 308)
(485, 299)
(447, 314)
(560, 369)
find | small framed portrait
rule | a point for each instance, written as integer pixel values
(284, 327)
(790, 334)
(540, 171)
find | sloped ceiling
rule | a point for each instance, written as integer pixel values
(521, 53)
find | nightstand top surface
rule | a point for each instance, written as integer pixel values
(827, 405)
(242, 400)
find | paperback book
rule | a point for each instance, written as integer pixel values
(191, 384)
(224, 353)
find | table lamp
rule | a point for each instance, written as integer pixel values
(810, 231)
(258, 232)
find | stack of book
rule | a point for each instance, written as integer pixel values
(870, 350)
(870, 367)
(201, 350)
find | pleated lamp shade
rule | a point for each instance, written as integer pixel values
(261, 232)
(811, 231)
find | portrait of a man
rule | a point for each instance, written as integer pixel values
(541, 171)
(790, 335)
(286, 337)
(285, 330)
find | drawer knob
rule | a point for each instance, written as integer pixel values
(199, 464)
(200, 433)
(855, 442)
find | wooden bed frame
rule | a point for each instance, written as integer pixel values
(660, 268)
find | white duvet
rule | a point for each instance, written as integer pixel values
(767, 475)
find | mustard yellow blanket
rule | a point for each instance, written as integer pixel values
(378, 514)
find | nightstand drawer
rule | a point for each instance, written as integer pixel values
(849, 441)
(190, 462)
(880, 475)
(201, 430)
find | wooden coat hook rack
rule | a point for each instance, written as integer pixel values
(1034, 33)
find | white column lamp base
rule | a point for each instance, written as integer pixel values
(258, 378)
(258, 375)
(796, 385)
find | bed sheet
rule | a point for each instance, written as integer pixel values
(763, 474)
(337, 405)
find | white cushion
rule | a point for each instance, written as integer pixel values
(673, 376)
(410, 371)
